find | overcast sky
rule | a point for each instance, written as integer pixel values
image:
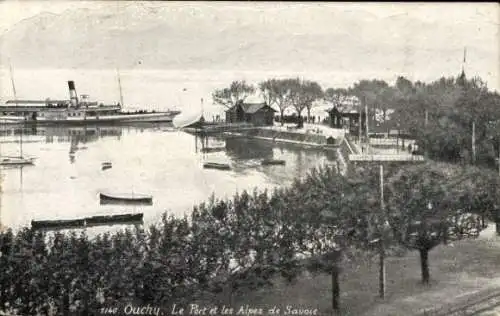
(437, 28)
(483, 14)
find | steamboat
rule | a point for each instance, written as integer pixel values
(76, 110)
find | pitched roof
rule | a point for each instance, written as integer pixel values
(251, 108)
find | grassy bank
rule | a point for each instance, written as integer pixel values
(460, 269)
(227, 252)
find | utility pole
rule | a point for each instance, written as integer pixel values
(381, 241)
(473, 142)
(426, 149)
(360, 122)
(366, 121)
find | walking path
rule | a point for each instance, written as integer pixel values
(484, 302)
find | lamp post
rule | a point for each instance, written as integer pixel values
(383, 230)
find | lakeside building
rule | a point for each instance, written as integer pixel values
(347, 116)
(259, 114)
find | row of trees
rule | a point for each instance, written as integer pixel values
(281, 93)
(454, 119)
(231, 245)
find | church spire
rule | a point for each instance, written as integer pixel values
(462, 78)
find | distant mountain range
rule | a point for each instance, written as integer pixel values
(159, 37)
(138, 36)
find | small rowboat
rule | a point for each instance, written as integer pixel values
(123, 198)
(59, 224)
(114, 219)
(269, 162)
(106, 165)
(16, 161)
(215, 165)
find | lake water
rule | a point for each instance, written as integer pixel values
(146, 88)
(65, 181)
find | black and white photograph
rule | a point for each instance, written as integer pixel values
(194, 158)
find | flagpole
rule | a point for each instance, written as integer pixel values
(15, 100)
(465, 59)
(120, 86)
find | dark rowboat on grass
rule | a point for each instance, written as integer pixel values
(269, 162)
(123, 198)
(215, 165)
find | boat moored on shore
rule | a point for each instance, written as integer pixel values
(271, 162)
(216, 165)
(16, 161)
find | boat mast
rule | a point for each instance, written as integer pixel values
(120, 86)
(15, 100)
(201, 104)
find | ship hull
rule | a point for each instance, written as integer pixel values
(116, 118)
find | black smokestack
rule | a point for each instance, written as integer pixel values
(72, 93)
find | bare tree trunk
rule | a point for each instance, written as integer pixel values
(424, 264)
(66, 300)
(282, 114)
(335, 287)
(300, 123)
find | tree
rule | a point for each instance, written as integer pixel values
(276, 92)
(340, 214)
(302, 94)
(237, 92)
(312, 91)
(370, 93)
(424, 211)
(337, 98)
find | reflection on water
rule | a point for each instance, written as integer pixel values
(157, 161)
(246, 149)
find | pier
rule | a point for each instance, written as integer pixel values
(211, 128)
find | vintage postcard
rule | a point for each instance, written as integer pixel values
(249, 158)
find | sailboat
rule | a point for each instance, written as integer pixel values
(16, 160)
(193, 119)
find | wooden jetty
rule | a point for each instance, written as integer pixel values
(212, 149)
